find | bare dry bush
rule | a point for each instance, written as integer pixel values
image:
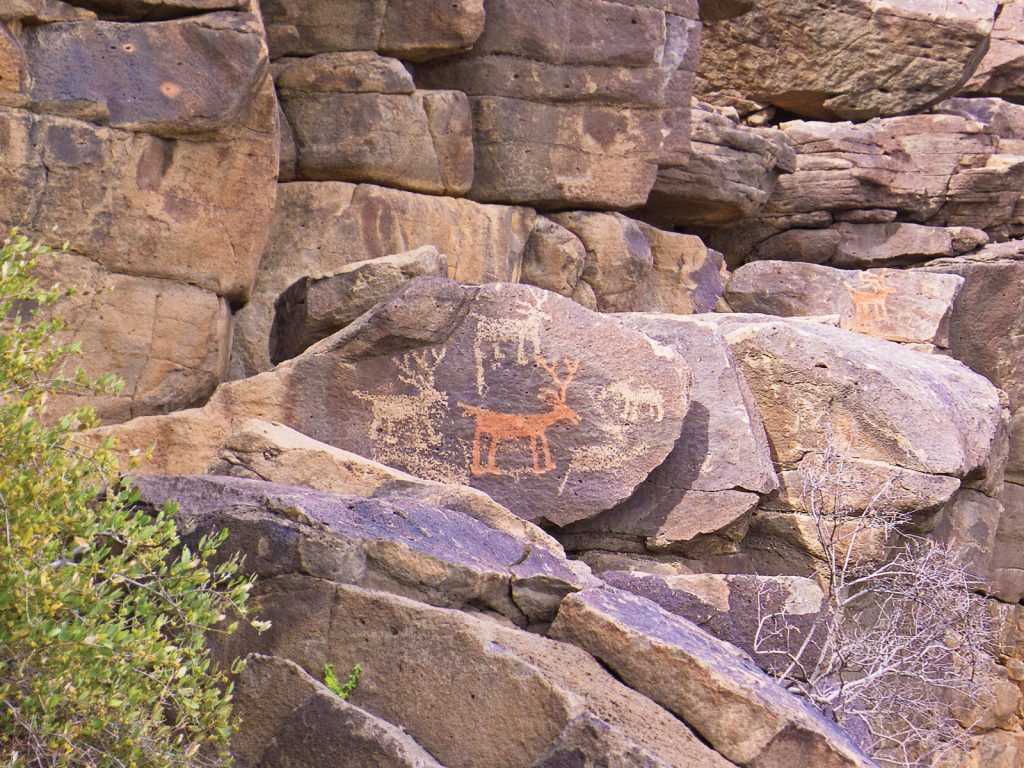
(900, 638)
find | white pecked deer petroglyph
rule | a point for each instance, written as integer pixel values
(521, 329)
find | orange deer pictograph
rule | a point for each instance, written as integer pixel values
(869, 299)
(498, 426)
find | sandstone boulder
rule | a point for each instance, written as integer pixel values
(486, 386)
(634, 267)
(315, 307)
(168, 341)
(699, 500)
(969, 525)
(961, 166)
(729, 175)
(1006, 577)
(554, 259)
(866, 244)
(710, 685)
(413, 30)
(318, 228)
(145, 205)
(874, 400)
(1001, 71)
(897, 305)
(159, 77)
(575, 105)
(402, 545)
(259, 450)
(774, 54)
(498, 697)
(731, 608)
(358, 117)
(986, 327)
(288, 717)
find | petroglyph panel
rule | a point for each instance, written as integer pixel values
(554, 410)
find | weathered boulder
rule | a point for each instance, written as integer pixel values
(430, 553)
(897, 305)
(288, 717)
(868, 244)
(554, 259)
(159, 77)
(499, 697)
(960, 166)
(171, 352)
(482, 385)
(191, 204)
(315, 307)
(1006, 577)
(699, 500)
(729, 175)
(986, 327)
(733, 608)
(318, 228)
(632, 267)
(711, 686)
(150, 10)
(358, 117)
(575, 104)
(874, 400)
(774, 55)
(970, 526)
(413, 30)
(13, 69)
(42, 11)
(1001, 72)
(259, 450)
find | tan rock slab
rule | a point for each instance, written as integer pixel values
(773, 54)
(399, 544)
(897, 305)
(318, 228)
(710, 685)
(313, 308)
(287, 716)
(500, 697)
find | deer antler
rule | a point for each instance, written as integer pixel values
(571, 366)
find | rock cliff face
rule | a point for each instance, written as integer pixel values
(503, 336)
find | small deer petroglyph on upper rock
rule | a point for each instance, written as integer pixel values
(869, 299)
(498, 426)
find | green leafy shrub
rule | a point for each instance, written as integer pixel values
(346, 689)
(103, 613)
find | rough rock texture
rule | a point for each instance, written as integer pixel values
(729, 175)
(486, 386)
(712, 686)
(319, 228)
(429, 553)
(986, 327)
(289, 718)
(969, 525)
(699, 500)
(867, 244)
(729, 606)
(880, 401)
(160, 78)
(273, 452)
(890, 304)
(171, 356)
(1007, 554)
(500, 697)
(1001, 72)
(844, 59)
(315, 307)
(576, 103)
(358, 117)
(630, 266)
(148, 205)
(409, 29)
(960, 167)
